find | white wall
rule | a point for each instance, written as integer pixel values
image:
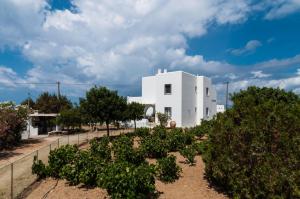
(189, 100)
(174, 100)
(149, 89)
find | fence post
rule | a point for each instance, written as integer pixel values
(12, 180)
(37, 154)
(50, 147)
(78, 139)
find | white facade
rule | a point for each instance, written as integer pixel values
(189, 98)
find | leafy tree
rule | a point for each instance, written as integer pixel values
(49, 103)
(70, 118)
(135, 111)
(103, 105)
(12, 123)
(28, 101)
(163, 119)
(253, 148)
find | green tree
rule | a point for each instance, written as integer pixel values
(135, 111)
(50, 103)
(253, 148)
(12, 123)
(104, 105)
(70, 118)
(28, 101)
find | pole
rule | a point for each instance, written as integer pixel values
(58, 89)
(12, 181)
(28, 111)
(227, 83)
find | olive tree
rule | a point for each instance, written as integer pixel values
(135, 111)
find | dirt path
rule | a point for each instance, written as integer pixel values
(191, 185)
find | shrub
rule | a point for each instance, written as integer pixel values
(142, 132)
(100, 148)
(125, 180)
(154, 147)
(60, 157)
(39, 168)
(189, 152)
(201, 147)
(12, 124)
(254, 146)
(167, 170)
(160, 132)
(202, 129)
(124, 151)
(163, 119)
(176, 139)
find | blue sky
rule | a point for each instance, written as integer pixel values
(115, 43)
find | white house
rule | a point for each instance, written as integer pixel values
(220, 108)
(185, 97)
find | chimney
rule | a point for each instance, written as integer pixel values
(165, 70)
(159, 71)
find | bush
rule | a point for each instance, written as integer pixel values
(100, 148)
(160, 132)
(254, 146)
(125, 180)
(142, 132)
(189, 152)
(39, 168)
(154, 147)
(12, 124)
(60, 157)
(124, 151)
(175, 139)
(202, 129)
(167, 169)
(201, 147)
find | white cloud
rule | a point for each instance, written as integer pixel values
(8, 77)
(259, 74)
(251, 46)
(281, 8)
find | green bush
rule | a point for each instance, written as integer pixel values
(254, 146)
(167, 170)
(60, 157)
(154, 147)
(202, 129)
(177, 139)
(39, 168)
(125, 180)
(100, 148)
(189, 152)
(142, 132)
(160, 131)
(124, 151)
(201, 147)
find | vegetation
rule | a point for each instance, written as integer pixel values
(253, 149)
(189, 152)
(70, 118)
(167, 169)
(135, 111)
(12, 124)
(142, 132)
(50, 103)
(103, 105)
(163, 119)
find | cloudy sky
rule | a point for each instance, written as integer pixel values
(114, 43)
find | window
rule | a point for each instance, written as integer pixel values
(207, 91)
(207, 112)
(195, 109)
(168, 89)
(195, 89)
(168, 111)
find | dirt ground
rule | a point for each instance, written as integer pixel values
(27, 147)
(191, 185)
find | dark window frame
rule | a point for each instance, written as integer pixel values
(168, 89)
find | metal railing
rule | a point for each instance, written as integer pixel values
(17, 176)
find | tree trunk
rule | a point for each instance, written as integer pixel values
(134, 125)
(107, 128)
